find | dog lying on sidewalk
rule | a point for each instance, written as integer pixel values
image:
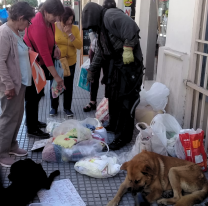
(27, 179)
(153, 174)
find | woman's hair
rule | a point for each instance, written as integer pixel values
(109, 4)
(54, 7)
(40, 6)
(21, 8)
(67, 13)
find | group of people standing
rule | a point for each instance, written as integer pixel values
(51, 33)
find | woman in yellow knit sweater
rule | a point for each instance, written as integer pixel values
(68, 39)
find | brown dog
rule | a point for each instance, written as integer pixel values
(154, 174)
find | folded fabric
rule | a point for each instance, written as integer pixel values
(65, 141)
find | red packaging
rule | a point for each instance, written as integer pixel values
(192, 142)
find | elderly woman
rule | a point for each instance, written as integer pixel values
(15, 76)
(68, 40)
(40, 36)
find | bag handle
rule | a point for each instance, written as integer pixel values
(141, 123)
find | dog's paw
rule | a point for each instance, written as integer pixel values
(162, 202)
(56, 173)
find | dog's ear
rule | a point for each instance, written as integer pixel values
(124, 166)
(147, 171)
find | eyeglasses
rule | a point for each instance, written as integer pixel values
(30, 23)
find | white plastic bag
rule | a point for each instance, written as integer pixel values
(99, 166)
(145, 140)
(102, 132)
(102, 113)
(157, 96)
(91, 121)
(179, 151)
(86, 64)
(166, 128)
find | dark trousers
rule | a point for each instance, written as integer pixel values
(68, 82)
(95, 86)
(32, 99)
(120, 119)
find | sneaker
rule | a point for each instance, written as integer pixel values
(41, 124)
(7, 162)
(18, 152)
(69, 113)
(38, 133)
(53, 112)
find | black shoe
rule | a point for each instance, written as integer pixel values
(41, 124)
(117, 144)
(69, 113)
(38, 133)
(53, 112)
(90, 107)
(109, 129)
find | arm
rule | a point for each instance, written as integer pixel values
(4, 52)
(77, 41)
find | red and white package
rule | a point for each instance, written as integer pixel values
(102, 113)
(192, 142)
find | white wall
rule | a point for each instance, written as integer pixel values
(174, 59)
(120, 4)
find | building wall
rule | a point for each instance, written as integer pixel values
(175, 58)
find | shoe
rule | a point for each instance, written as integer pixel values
(117, 144)
(7, 162)
(90, 107)
(109, 129)
(69, 113)
(53, 112)
(41, 124)
(18, 152)
(38, 133)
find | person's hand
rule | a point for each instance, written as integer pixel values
(90, 77)
(57, 53)
(9, 93)
(67, 29)
(128, 56)
(60, 82)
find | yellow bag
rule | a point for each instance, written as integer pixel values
(65, 66)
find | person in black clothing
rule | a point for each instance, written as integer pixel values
(120, 56)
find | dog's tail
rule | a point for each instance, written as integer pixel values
(194, 198)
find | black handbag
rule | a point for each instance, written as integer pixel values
(48, 75)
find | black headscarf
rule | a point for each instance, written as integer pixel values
(91, 16)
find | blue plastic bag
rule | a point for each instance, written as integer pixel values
(82, 83)
(55, 90)
(3, 15)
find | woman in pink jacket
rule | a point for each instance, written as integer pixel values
(15, 76)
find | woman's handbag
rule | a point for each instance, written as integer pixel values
(64, 63)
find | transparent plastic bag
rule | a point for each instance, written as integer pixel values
(91, 121)
(53, 123)
(99, 166)
(82, 132)
(157, 96)
(145, 140)
(166, 128)
(55, 153)
(102, 113)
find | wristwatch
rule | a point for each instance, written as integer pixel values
(70, 34)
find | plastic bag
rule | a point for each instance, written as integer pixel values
(82, 82)
(179, 150)
(82, 132)
(102, 132)
(99, 166)
(86, 64)
(56, 153)
(157, 96)
(53, 123)
(55, 90)
(166, 127)
(192, 142)
(102, 113)
(145, 140)
(91, 121)
(3, 15)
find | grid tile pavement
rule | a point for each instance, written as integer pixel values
(94, 192)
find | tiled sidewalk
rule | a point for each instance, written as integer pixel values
(94, 192)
